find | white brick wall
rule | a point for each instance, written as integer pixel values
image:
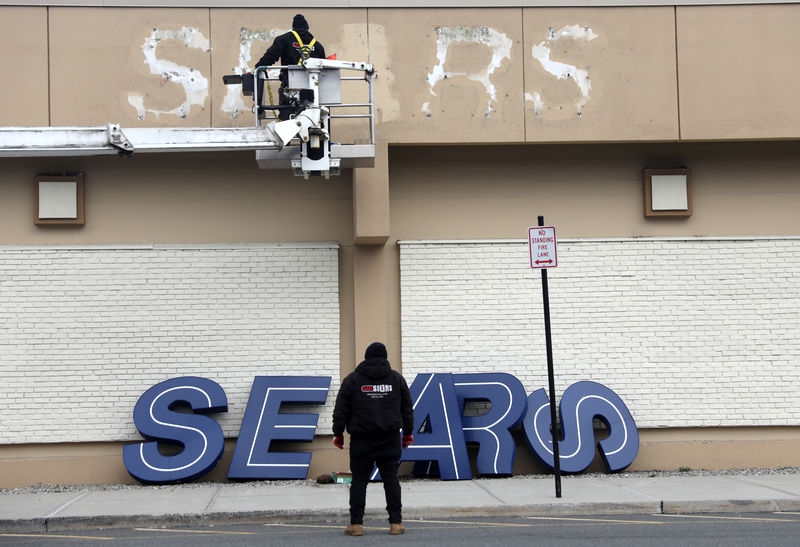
(84, 331)
(692, 332)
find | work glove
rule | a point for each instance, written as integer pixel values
(407, 440)
(338, 442)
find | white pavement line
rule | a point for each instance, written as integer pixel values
(70, 502)
(786, 513)
(190, 531)
(589, 519)
(720, 517)
(473, 523)
(336, 526)
(49, 536)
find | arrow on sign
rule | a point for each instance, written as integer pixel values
(544, 261)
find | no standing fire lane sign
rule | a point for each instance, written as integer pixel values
(542, 246)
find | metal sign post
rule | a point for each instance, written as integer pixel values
(542, 246)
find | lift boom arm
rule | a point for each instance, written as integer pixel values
(271, 141)
(112, 139)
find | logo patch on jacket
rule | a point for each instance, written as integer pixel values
(382, 388)
(301, 48)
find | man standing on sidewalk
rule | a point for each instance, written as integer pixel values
(374, 404)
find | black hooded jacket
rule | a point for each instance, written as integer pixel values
(373, 400)
(287, 49)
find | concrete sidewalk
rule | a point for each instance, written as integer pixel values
(207, 503)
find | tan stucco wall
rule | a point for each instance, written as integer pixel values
(738, 79)
(652, 82)
(458, 110)
(589, 190)
(436, 193)
(628, 64)
(659, 449)
(444, 75)
(220, 197)
(98, 62)
(101, 463)
(24, 64)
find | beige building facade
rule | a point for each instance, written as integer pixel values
(486, 117)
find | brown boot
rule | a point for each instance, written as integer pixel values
(396, 529)
(354, 530)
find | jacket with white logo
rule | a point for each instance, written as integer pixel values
(373, 399)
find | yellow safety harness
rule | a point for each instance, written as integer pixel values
(305, 50)
(305, 53)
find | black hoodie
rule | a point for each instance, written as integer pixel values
(287, 49)
(373, 400)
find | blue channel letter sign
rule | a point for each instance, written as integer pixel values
(580, 404)
(157, 419)
(263, 422)
(175, 412)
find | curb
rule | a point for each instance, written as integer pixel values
(62, 524)
(729, 506)
(541, 510)
(57, 524)
(23, 525)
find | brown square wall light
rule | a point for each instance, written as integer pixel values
(58, 200)
(667, 193)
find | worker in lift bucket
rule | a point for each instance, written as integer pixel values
(291, 48)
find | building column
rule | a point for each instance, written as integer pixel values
(372, 259)
(371, 200)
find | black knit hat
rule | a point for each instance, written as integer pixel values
(299, 22)
(375, 349)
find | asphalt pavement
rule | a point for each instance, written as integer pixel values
(305, 501)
